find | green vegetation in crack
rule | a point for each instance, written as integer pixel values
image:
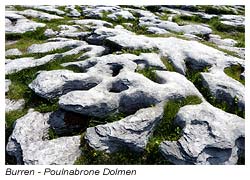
(166, 130)
(122, 157)
(94, 121)
(168, 64)
(149, 73)
(38, 34)
(195, 77)
(19, 87)
(235, 72)
(52, 134)
(39, 55)
(231, 53)
(139, 51)
(26, 39)
(225, 31)
(218, 10)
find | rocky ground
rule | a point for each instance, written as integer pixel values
(125, 84)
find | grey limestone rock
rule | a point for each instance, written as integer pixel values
(127, 93)
(38, 14)
(13, 66)
(52, 84)
(131, 132)
(209, 136)
(12, 105)
(30, 128)
(50, 46)
(60, 151)
(15, 23)
(48, 8)
(224, 88)
(11, 52)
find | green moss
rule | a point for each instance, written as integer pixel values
(235, 72)
(149, 73)
(168, 64)
(52, 134)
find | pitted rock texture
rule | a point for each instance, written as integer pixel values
(126, 93)
(30, 145)
(66, 81)
(131, 132)
(210, 136)
(98, 79)
(65, 151)
(15, 23)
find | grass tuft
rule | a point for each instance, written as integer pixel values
(235, 72)
(149, 73)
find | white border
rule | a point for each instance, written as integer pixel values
(145, 171)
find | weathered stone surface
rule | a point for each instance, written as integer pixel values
(12, 105)
(30, 128)
(98, 10)
(156, 30)
(19, 24)
(28, 141)
(122, 58)
(13, 66)
(172, 26)
(131, 132)
(233, 20)
(100, 34)
(38, 14)
(224, 88)
(93, 23)
(108, 65)
(51, 84)
(127, 93)
(121, 14)
(224, 42)
(210, 136)
(72, 11)
(91, 51)
(50, 46)
(178, 51)
(60, 151)
(150, 60)
(12, 52)
(49, 8)
(239, 51)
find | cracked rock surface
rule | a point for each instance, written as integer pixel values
(85, 83)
